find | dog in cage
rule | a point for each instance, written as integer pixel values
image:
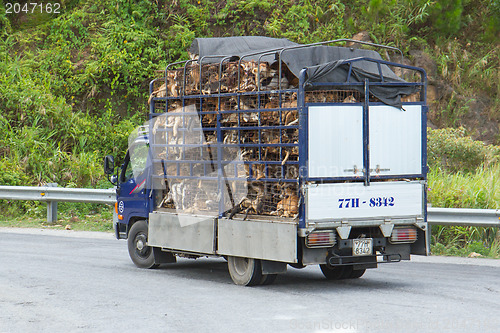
(289, 204)
(253, 202)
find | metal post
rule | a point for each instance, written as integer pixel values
(366, 133)
(429, 238)
(51, 211)
(51, 207)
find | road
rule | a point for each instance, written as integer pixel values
(65, 281)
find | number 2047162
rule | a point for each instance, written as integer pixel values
(372, 202)
(32, 7)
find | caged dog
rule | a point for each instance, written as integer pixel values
(289, 205)
(253, 202)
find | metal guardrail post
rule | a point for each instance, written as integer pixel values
(428, 236)
(51, 207)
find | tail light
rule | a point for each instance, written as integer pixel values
(320, 239)
(404, 235)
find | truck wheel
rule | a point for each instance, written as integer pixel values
(245, 271)
(356, 273)
(346, 274)
(350, 273)
(141, 254)
(332, 272)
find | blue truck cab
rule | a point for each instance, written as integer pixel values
(131, 181)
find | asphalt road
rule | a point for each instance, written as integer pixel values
(64, 281)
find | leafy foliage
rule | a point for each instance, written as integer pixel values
(464, 174)
(73, 85)
(462, 241)
(447, 16)
(452, 150)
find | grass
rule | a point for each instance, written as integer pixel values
(492, 251)
(102, 221)
(479, 189)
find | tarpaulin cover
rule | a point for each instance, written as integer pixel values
(322, 63)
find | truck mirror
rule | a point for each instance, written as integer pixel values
(109, 165)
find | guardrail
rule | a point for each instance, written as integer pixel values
(463, 217)
(53, 194)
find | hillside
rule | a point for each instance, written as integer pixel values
(73, 84)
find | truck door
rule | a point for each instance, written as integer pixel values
(343, 142)
(337, 142)
(132, 194)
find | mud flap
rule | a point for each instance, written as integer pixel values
(162, 257)
(420, 246)
(273, 267)
(402, 249)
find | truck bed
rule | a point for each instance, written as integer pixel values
(260, 238)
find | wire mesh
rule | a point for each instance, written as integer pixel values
(228, 139)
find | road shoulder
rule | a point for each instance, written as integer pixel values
(54, 232)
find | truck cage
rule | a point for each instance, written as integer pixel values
(230, 135)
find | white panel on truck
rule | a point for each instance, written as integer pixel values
(182, 232)
(337, 202)
(395, 140)
(268, 240)
(335, 141)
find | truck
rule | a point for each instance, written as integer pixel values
(273, 154)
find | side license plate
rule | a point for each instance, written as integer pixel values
(362, 247)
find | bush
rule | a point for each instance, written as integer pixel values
(12, 173)
(446, 16)
(479, 247)
(452, 150)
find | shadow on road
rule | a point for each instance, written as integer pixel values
(309, 278)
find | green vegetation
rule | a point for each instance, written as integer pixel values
(73, 85)
(464, 174)
(478, 189)
(81, 222)
(460, 248)
(451, 150)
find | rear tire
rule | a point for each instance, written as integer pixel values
(245, 271)
(140, 253)
(346, 274)
(357, 273)
(332, 272)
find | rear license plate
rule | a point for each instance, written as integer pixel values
(362, 247)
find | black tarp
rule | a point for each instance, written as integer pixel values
(237, 46)
(322, 63)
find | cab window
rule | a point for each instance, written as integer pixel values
(135, 162)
